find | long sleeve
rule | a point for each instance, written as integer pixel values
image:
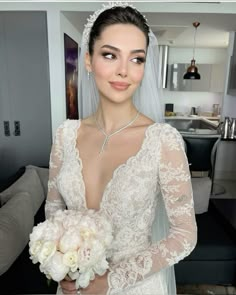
(176, 190)
(54, 200)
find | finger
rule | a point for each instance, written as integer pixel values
(67, 278)
(70, 292)
(68, 286)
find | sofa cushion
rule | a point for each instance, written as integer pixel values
(16, 223)
(43, 174)
(28, 182)
(9, 181)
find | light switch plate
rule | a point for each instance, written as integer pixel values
(6, 128)
(17, 128)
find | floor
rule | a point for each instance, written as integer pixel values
(206, 290)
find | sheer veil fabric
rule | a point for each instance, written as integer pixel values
(148, 100)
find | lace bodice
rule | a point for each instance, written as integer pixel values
(158, 170)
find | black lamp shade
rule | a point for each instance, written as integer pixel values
(192, 76)
(192, 72)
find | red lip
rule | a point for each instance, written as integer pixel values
(119, 85)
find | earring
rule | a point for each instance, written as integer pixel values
(88, 75)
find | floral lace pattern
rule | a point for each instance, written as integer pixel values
(158, 170)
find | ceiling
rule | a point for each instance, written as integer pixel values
(176, 29)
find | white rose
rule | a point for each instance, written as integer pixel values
(70, 259)
(74, 275)
(70, 241)
(101, 267)
(38, 231)
(89, 254)
(97, 250)
(72, 220)
(34, 249)
(55, 268)
(53, 231)
(46, 251)
(84, 279)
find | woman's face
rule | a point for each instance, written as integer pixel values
(118, 61)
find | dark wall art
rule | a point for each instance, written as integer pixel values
(71, 77)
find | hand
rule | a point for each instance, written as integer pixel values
(98, 286)
(68, 286)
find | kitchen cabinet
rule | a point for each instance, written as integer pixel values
(217, 82)
(212, 78)
(24, 91)
(232, 71)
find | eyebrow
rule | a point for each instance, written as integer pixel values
(118, 50)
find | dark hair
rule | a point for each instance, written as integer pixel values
(117, 15)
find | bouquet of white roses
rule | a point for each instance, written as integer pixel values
(72, 243)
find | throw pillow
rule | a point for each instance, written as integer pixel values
(16, 223)
(28, 182)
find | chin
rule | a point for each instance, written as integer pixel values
(117, 96)
(120, 98)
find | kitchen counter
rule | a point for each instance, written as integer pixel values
(213, 121)
(194, 125)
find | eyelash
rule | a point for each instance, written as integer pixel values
(106, 54)
(140, 60)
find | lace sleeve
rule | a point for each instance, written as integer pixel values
(175, 184)
(54, 200)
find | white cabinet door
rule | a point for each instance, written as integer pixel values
(177, 83)
(204, 83)
(217, 78)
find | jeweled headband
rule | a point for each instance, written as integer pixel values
(92, 18)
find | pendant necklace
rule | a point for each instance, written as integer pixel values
(108, 136)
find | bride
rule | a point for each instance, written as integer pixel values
(120, 159)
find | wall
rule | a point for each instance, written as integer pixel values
(226, 154)
(53, 10)
(58, 24)
(24, 79)
(183, 101)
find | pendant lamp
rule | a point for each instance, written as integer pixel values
(192, 71)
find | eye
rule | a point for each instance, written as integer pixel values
(138, 60)
(108, 55)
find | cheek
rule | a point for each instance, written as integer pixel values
(137, 74)
(101, 69)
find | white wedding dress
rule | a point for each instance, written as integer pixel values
(157, 174)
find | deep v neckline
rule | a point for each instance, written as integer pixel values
(115, 171)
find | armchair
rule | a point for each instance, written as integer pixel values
(201, 154)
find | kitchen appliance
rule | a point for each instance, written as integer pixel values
(193, 111)
(225, 128)
(169, 109)
(232, 132)
(215, 109)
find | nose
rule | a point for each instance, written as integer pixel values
(122, 69)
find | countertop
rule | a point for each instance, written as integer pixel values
(213, 121)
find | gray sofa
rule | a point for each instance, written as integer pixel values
(22, 207)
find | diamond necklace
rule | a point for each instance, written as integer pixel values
(108, 136)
